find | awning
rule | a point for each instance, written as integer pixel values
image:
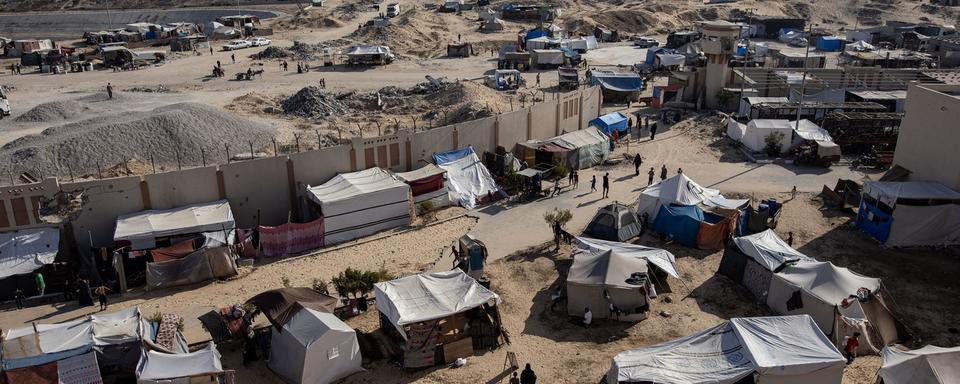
(159, 366)
(26, 250)
(619, 82)
(281, 304)
(197, 218)
(427, 171)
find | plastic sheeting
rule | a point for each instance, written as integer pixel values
(671, 59)
(660, 258)
(161, 366)
(769, 250)
(314, 347)
(143, 227)
(927, 365)
(430, 296)
(910, 224)
(291, 238)
(681, 190)
(583, 148)
(680, 222)
(361, 203)
(282, 304)
(822, 286)
(614, 121)
(598, 279)
(786, 349)
(619, 82)
(26, 250)
(205, 264)
(466, 175)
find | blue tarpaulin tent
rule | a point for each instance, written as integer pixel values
(829, 43)
(535, 33)
(619, 82)
(681, 222)
(652, 54)
(610, 122)
(448, 156)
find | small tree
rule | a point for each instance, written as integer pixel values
(557, 215)
(320, 285)
(285, 281)
(358, 283)
(772, 143)
(561, 171)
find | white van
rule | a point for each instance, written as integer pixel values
(393, 10)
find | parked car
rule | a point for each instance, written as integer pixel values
(259, 41)
(236, 44)
(645, 42)
(393, 10)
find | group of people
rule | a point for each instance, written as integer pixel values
(526, 377)
(606, 184)
(16, 69)
(84, 292)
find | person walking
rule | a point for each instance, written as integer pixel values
(650, 176)
(109, 91)
(606, 185)
(637, 162)
(850, 347)
(102, 292)
(570, 178)
(528, 376)
(19, 297)
(538, 79)
(515, 379)
(663, 172)
(556, 187)
(557, 233)
(218, 64)
(233, 58)
(41, 284)
(576, 179)
(653, 131)
(679, 171)
(211, 49)
(84, 296)
(593, 184)
(790, 238)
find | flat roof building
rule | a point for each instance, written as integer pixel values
(929, 133)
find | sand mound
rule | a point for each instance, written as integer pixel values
(417, 33)
(308, 21)
(274, 52)
(161, 133)
(626, 21)
(52, 111)
(313, 102)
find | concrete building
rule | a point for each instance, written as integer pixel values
(719, 44)
(927, 145)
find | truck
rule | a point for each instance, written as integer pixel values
(393, 10)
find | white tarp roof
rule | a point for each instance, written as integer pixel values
(430, 296)
(469, 178)
(26, 250)
(927, 365)
(314, 347)
(758, 130)
(347, 186)
(861, 46)
(826, 281)
(811, 131)
(365, 49)
(769, 250)
(159, 366)
(196, 218)
(680, 189)
(361, 203)
(770, 346)
(420, 174)
(658, 257)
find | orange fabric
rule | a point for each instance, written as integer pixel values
(40, 374)
(173, 252)
(714, 237)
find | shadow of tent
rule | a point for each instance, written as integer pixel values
(726, 299)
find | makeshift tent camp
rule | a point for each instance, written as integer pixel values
(830, 43)
(24, 251)
(606, 273)
(314, 347)
(614, 121)
(678, 198)
(901, 214)
(614, 222)
(456, 304)
(158, 367)
(784, 349)
(467, 176)
(427, 183)
(790, 282)
(202, 265)
(617, 86)
(861, 46)
(927, 365)
(281, 304)
(359, 204)
(681, 190)
(141, 230)
(756, 132)
(578, 149)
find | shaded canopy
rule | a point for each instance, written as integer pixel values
(280, 305)
(145, 226)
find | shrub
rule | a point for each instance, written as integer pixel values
(772, 143)
(285, 281)
(358, 283)
(561, 171)
(320, 285)
(558, 215)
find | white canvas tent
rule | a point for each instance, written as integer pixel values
(430, 296)
(784, 349)
(580, 149)
(26, 250)
(314, 348)
(757, 130)
(769, 250)
(142, 229)
(681, 190)
(427, 183)
(604, 273)
(901, 214)
(927, 365)
(467, 177)
(157, 367)
(361, 203)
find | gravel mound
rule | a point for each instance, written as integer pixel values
(313, 102)
(52, 111)
(273, 52)
(161, 133)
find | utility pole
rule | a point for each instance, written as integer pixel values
(746, 56)
(803, 80)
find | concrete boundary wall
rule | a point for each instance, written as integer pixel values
(268, 191)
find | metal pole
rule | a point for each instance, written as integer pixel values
(178, 159)
(227, 147)
(296, 138)
(360, 127)
(251, 149)
(275, 153)
(746, 56)
(99, 173)
(203, 157)
(319, 140)
(803, 80)
(70, 169)
(153, 164)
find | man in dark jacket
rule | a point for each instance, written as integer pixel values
(527, 376)
(637, 162)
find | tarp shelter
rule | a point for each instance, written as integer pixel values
(752, 260)
(142, 229)
(158, 367)
(578, 149)
(427, 183)
(662, 259)
(26, 250)
(282, 304)
(912, 213)
(830, 43)
(617, 86)
(927, 365)
(614, 121)
(861, 46)
(491, 25)
(784, 349)
(202, 265)
(359, 204)
(693, 227)
(757, 130)
(681, 190)
(542, 42)
(546, 57)
(614, 222)
(808, 130)
(669, 59)
(467, 176)
(314, 347)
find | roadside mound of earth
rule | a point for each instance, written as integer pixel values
(419, 33)
(52, 111)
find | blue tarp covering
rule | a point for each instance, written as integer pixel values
(611, 121)
(874, 222)
(829, 44)
(652, 54)
(535, 33)
(680, 222)
(448, 156)
(620, 82)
